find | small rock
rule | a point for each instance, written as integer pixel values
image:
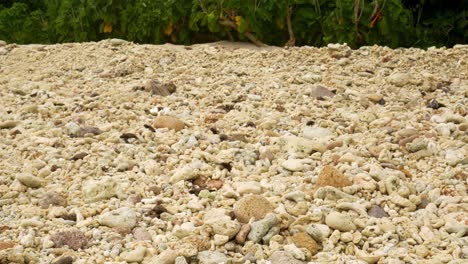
(3, 43)
(400, 79)
(226, 227)
(434, 104)
(122, 217)
(180, 260)
(295, 251)
(329, 176)
(318, 232)
(140, 233)
(339, 221)
(242, 235)
(168, 122)
(29, 180)
(135, 255)
(212, 257)
(73, 239)
(248, 187)
(52, 198)
(293, 165)
(375, 98)
(79, 156)
(255, 206)
(260, 228)
(303, 240)
(94, 191)
(117, 42)
(6, 245)
(158, 88)
(312, 77)
(63, 260)
(8, 124)
(321, 92)
(283, 257)
(313, 132)
(377, 212)
(3, 51)
(220, 240)
(168, 256)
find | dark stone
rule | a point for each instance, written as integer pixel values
(377, 212)
(73, 239)
(434, 104)
(79, 156)
(64, 260)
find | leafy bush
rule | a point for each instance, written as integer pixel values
(395, 23)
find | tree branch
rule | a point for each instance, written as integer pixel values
(247, 34)
(292, 40)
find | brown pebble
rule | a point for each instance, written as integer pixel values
(122, 230)
(329, 176)
(255, 206)
(303, 240)
(242, 235)
(73, 239)
(214, 184)
(335, 144)
(156, 190)
(168, 122)
(134, 198)
(6, 244)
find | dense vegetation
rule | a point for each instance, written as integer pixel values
(394, 23)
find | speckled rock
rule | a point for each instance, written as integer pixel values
(211, 257)
(329, 176)
(73, 239)
(283, 257)
(303, 240)
(255, 206)
(96, 190)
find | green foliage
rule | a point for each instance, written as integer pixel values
(395, 23)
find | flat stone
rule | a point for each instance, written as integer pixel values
(122, 217)
(140, 233)
(321, 92)
(29, 180)
(211, 257)
(255, 206)
(168, 256)
(168, 122)
(283, 257)
(293, 165)
(340, 221)
(117, 42)
(252, 187)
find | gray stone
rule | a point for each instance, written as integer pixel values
(117, 42)
(260, 228)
